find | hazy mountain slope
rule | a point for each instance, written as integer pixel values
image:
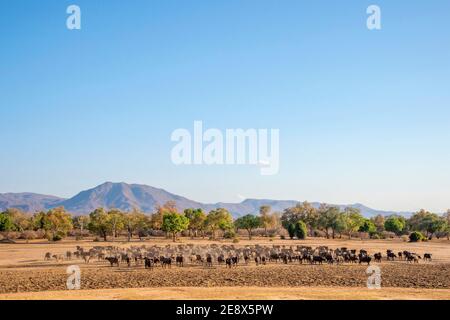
(29, 202)
(125, 196)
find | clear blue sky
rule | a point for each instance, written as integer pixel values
(364, 116)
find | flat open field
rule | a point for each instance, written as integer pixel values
(25, 275)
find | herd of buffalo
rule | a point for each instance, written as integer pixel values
(230, 255)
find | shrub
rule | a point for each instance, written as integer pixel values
(272, 233)
(291, 230)
(28, 235)
(12, 235)
(229, 234)
(235, 240)
(319, 234)
(388, 235)
(40, 234)
(375, 236)
(416, 236)
(282, 237)
(364, 235)
(57, 237)
(300, 230)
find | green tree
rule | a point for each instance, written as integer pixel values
(330, 218)
(394, 224)
(415, 222)
(116, 219)
(266, 218)
(446, 218)
(378, 221)
(197, 219)
(249, 223)
(21, 220)
(432, 224)
(136, 221)
(353, 220)
(416, 236)
(219, 219)
(157, 218)
(302, 211)
(368, 226)
(37, 221)
(339, 224)
(300, 230)
(6, 222)
(99, 223)
(427, 222)
(81, 223)
(174, 223)
(291, 230)
(57, 223)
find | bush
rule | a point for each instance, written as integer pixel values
(416, 236)
(282, 237)
(364, 235)
(300, 230)
(57, 237)
(375, 236)
(235, 240)
(388, 235)
(319, 234)
(12, 235)
(40, 234)
(28, 235)
(230, 234)
(291, 230)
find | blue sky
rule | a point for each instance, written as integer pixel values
(363, 115)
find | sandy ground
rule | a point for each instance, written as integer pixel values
(25, 275)
(235, 293)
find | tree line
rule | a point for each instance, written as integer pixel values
(297, 222)
(331, 222)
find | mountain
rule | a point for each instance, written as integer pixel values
(28, 202)
(125, 197)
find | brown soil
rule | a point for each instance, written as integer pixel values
(22, 270)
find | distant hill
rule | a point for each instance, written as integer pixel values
(125, 196)
(28, 202)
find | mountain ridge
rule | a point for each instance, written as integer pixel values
(146, 198)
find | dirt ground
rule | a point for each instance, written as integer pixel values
(25, 275)
(236, 293)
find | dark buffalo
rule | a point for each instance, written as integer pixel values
(113, 261)
(148, 263)
(364, 258)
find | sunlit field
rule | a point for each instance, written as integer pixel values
(24, 274)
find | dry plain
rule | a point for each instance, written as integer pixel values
(25, 275)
